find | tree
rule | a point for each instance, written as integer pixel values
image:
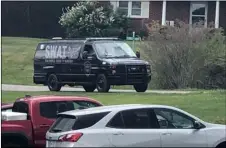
(89, 18)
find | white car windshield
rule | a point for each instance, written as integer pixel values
(114, 50)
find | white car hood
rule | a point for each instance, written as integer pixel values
(216, 133)
(220, 126)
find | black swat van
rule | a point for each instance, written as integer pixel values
(94, 63)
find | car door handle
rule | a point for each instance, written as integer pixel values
(166, 134)
(119, 133)
(44, 125)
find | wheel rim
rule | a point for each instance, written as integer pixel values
(100, 83)
(52, 82)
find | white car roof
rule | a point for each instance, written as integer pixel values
(111, 108)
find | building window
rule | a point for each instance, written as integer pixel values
(124, 7)
(136, 8)
(198, 13)
(133, 9)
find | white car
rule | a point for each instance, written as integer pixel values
(133, 125)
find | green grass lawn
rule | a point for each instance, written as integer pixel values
(17, 60)
(207, 105)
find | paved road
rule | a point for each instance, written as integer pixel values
(10, 87)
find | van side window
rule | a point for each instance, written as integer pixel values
(75, 49)
(89, 50)
(40, 52)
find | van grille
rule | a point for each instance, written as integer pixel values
(132, 69)
(135, 73)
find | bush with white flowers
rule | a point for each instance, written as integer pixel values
(89, 18)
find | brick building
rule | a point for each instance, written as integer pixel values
(144, 11)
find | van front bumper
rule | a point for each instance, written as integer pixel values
(129, 79)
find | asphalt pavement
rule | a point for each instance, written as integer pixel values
(38, 88)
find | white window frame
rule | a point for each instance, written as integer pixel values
(130, 8)
(206, 12)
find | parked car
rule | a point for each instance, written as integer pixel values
(32, 116)
(6, 107)
(94, 63)
(134, 125)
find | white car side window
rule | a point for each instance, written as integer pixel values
(172, 119)
(135, 119)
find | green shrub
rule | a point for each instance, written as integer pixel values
(180, 55)
(90, 18)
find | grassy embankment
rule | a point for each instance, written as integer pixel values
(207, 105)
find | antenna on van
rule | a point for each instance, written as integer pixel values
(57, 38)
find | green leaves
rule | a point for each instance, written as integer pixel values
(89, 18)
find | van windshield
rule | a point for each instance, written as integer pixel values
(114, 50)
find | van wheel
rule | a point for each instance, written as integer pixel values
(140, 87)
(102, 83)
(89, 88)
(53, 83)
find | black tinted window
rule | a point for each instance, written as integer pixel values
(135, 119)
(63, 123)
(116, 121)
(21, 107)
(51, 109)
(67, 123)
(84, 104)
(40, 51)
(86, 121)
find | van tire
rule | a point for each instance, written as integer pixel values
(102, 84)
(89, 88)
(53, 83)
(141, 87)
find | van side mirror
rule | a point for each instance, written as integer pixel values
(138, 54)
(84, 54)
(197, 125)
